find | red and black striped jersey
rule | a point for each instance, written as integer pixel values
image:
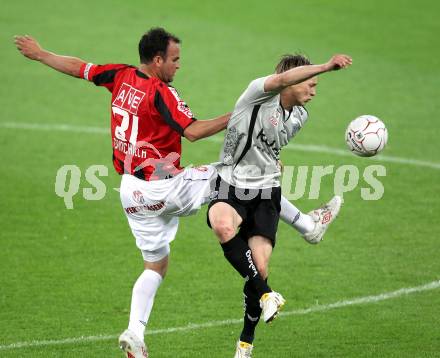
(147, 120)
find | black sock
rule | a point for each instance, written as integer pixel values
(252, 313)
(239, 255)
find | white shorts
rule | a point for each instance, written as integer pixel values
(156, 255)
(153, 207)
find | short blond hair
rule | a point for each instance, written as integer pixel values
(290, 61)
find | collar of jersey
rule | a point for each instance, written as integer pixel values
(141, 74)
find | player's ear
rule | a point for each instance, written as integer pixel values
(158, 60)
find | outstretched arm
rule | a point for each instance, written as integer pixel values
(201, 129)
(31, 49)
(279, 81)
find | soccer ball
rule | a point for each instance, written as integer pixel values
(366, 135)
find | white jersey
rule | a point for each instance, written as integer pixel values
(253, 141)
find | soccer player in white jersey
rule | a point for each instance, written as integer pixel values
(266, 116)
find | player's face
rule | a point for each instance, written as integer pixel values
(303, 92)
(171, 62)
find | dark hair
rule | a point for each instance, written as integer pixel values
(155, 42)
(290, 61)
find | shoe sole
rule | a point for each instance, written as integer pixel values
(271, 318)
(339, 201)
(127, 343)
(126, 348)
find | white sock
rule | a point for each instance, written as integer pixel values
(142, 300)
(291, 215)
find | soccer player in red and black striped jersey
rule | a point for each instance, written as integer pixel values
(148, 119)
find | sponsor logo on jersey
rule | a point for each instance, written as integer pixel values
(181, 105)
(138, 197)
(129, 98)
(263, 138)
(275, 118)
(143, 208)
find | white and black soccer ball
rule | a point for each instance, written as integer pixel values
(366, 135)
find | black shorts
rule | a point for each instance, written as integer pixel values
(258, 208)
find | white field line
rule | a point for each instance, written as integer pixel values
(54, 127)
(196, 326)
(291, 146)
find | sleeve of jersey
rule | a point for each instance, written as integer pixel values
(173, 110)
(101, 75)
(255, 93)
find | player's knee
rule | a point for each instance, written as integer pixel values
(160, 267)
(224, 230)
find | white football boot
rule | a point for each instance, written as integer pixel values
(132, 345)
(323, 217)
(271, 304)
(244, 350)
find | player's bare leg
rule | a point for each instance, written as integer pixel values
(225, 220)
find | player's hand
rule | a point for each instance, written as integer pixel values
(28, 47)
(337, 62)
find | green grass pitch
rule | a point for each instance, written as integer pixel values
(67, 274)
